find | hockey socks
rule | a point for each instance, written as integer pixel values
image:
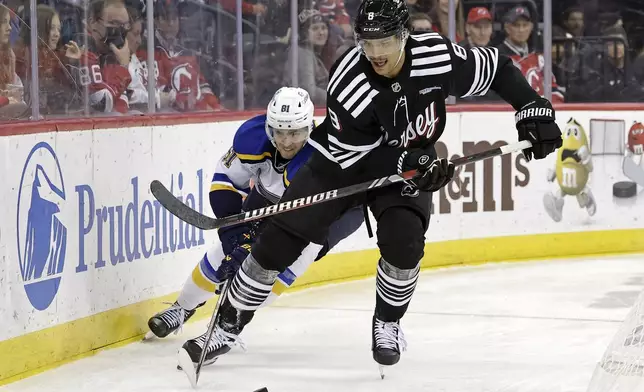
(248, 290)
(251, 286)
(201, 284)
(394, 289)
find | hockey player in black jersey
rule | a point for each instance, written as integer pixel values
(385, 110)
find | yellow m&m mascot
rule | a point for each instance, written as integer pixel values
(572, 170)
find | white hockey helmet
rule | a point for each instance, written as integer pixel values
(290, 109)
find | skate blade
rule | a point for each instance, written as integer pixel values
(381, 369)
(205, 364)
(186, 365)
(149, 336)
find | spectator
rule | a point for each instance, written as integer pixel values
(440, 19)
(565, 55)
(12, 104)
(14, 7)
(478, 28)
(573, 21)
(312, 73)
(103, 65)
(58, 92)
(610, 79)
(616, 48)
(421, 23)
(72, 20)
(518, 27)
(179, 73)
(340, 35)
(479, 33)
(532, 67)
(335, 13)
(137, 90)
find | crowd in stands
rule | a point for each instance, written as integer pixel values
(92, 54)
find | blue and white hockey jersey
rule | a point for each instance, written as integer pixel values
(252, 156)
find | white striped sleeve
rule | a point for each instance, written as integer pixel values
(346, 154)
(486, 62)
(432, 57)
(342, 153)
(474, 70)
(349, 127)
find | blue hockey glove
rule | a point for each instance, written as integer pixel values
(231, 263)
(233, 236)
(536, 123)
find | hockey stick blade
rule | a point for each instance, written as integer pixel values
(186, 365)
(211, 329)
(177, 208)
(194, 218)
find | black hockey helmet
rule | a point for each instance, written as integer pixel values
(381, 18)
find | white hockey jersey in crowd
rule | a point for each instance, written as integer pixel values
(138, 90)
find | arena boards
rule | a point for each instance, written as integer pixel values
(88, 255)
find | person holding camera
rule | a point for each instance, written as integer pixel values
(103, 66)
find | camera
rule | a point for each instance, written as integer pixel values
(116, 36)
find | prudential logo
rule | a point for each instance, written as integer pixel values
(42, 238)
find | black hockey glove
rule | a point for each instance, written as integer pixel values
(433, 174)
(536, 123)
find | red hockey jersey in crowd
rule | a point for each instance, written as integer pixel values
(177, 71)
(334, 11)
(532, 68)
(107, 80)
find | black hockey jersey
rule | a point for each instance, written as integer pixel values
(372, 116)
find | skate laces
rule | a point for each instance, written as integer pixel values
(174, 316)
(221, 338)
(389, 335)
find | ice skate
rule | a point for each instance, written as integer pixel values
(387, 342)
(586, 200)
(220, 343)
(168, 321)
(553, 206)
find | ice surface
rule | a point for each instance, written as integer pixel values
(538, 327)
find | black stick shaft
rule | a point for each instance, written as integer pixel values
(188, 215)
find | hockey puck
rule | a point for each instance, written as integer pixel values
(262, 390)
(624, 189)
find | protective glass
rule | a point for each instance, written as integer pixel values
(380, 47)
(289, 136)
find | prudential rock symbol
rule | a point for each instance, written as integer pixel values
(42, 237)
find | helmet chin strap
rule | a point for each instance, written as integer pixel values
(405, 35)
(402, 50)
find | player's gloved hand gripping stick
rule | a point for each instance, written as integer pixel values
(194, 218)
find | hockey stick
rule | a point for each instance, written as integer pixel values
(194, 218)
(184, 358)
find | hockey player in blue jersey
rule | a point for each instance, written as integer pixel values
(267, 149)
